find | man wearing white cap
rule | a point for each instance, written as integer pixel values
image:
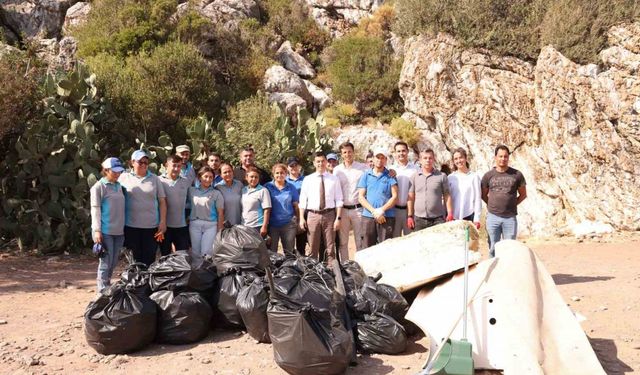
(332, 162)
(146, 209)
(187, 170)
(377, 193)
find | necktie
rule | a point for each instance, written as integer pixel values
(322, 198)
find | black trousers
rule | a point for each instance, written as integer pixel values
(426, 222)
(179, 237)
(141, 243)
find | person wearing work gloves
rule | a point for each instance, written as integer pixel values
(207, 213)
(428, 195)
(377, 193)
(256, 203)
(107, 218)
(146, 213)
(176, 188)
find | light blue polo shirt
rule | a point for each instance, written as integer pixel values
(378, 190)
(110, 198)
(142, 209)
(282, 201)
(205, 203)
(254, 201)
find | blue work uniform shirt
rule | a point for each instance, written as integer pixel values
(378, 190)
(282, 201)
(296, 183)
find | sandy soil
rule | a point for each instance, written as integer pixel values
(42, 301)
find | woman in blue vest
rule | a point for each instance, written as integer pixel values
(107, 218)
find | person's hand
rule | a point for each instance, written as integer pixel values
(162, 228)
(263, 231)
(450, 217)
(381, 219)
(477, 224)
(378, 212)
(97, 237)
(159, 236)
(336, 225)
(220, 226)
(392, 173)
(303, 224)
(411, 224)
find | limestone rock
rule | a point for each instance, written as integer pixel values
(223, 12)
(289, 103)
(58, 55)
(321, 99)
(35, 18)
(5, 48)
(294, 62)
(279, 80)
(574, 129)
(76, 16)
(337, 16)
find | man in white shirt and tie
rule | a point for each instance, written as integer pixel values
(404, 172)
(321, 197)
(349, 173)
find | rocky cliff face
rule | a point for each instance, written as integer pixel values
(574, 130)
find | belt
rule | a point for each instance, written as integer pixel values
(322, 211)
(352, 207)
(401, 207)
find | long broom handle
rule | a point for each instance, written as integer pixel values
(428, 365)
(466, 283)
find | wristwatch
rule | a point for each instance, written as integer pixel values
(338, 218)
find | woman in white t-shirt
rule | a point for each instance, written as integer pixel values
(464, 187)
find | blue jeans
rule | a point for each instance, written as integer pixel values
(106, 265)
(500, 228)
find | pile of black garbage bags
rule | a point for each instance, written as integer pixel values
(293, 302)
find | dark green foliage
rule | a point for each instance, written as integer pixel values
(362, 69)
(577, 28)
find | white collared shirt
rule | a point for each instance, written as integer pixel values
(310, 197)
(465, 195)
(403, 176)
(349, 178)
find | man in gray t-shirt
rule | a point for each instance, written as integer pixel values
(429, 201)
(176, 188)
(503, 188)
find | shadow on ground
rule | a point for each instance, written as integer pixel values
(607, 354)
(564, 278)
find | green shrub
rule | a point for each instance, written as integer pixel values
(340, 114)
(362, 69)
(577, 28)
(153, 92)
(125, 27)
(20, 94)
(405, 131)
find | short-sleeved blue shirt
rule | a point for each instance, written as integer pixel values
(282, 210)
(296, 183)
(378, 190)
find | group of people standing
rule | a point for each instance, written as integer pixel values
(184, 208)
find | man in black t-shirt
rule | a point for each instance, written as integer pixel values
(503, 188)
(247, 159)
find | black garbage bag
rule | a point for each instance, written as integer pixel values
(183, 318)
(121, 320)
(380, 333)
(308, 340)
(311, 287)
(252, 304)
(135, 274)
(239, 247)
(353, 275)
(276, 259)
(373, 297)
(231, 283)
(180, 272)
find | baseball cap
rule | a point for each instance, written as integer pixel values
(138, 154)
(379, 151)
(332, 156)
(114, 164)
(293, 160)
(182, 148)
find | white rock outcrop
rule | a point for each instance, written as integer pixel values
(574, 129)
(279, 80)
(76, 15)
(337, 16)
(35, 18)
(294, 62)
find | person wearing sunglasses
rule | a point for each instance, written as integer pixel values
(146, 209)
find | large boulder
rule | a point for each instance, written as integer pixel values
(338, 16)
(321, 99)
(573, 129)
(294, 62)
(227, 13)
(288, 102)
(34, 18)
(279, 80)
(76, 16)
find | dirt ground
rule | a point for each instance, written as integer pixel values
(42, 301)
